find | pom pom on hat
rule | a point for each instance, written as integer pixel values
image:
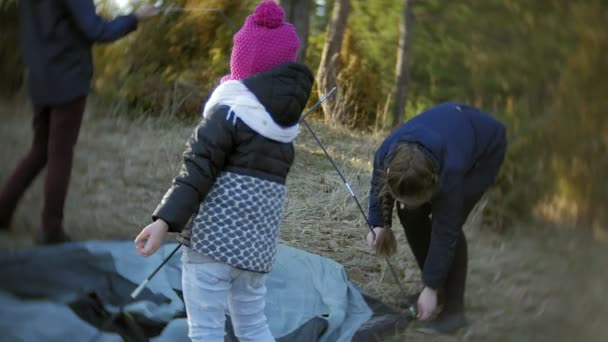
(268, 14)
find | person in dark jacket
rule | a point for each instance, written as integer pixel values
(56, 37)
(232, 181)
(436, 167)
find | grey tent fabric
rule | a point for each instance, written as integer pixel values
(83, 284)
(41, 320)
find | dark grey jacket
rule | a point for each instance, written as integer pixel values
(57, 37)
(223, 142)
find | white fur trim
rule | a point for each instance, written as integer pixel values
(246, 107)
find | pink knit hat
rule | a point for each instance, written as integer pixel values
(263, 42)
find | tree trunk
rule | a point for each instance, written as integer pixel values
(297, 12)
(402, 67)
(11, 65)
(330, 59)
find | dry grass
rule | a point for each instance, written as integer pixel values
(531, 285)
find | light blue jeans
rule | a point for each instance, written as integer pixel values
(210, 287)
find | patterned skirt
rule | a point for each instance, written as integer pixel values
(238, 222)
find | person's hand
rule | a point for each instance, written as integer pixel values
(383, 241)
(150, 238)
(371, 239)
(146, 11)
(427, 303)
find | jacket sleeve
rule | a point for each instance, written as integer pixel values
(94, 27)
(446, 226)
(204, 158)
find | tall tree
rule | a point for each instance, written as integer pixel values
(330, 60)
(402, 67)
(11, 67)
(298, 12)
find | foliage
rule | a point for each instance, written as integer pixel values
(174, 61)
(539, 66)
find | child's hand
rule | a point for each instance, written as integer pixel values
(383, 241)
(150, 238)
(427, 303)
(372, 238)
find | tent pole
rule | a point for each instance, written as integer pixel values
(411, 309)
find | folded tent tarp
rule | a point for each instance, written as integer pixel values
(81, 291)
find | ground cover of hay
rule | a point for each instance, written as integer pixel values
(530, 284)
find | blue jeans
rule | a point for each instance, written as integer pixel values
(210, 287)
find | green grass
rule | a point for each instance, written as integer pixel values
(532, 284)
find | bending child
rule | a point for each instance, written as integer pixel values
(436, 166)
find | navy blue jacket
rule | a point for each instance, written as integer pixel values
(467, 147)
(57, 37)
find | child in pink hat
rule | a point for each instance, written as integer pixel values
(232, 181)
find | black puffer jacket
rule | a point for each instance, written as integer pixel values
(222, 141)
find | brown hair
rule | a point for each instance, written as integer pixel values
(410, 173)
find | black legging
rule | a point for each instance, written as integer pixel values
(417, 226)
(56, 131)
